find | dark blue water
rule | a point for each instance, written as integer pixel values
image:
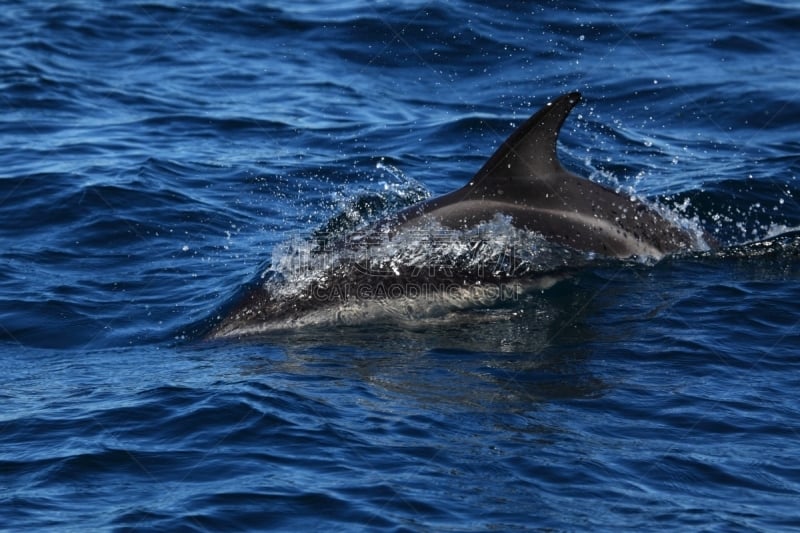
(153, 155)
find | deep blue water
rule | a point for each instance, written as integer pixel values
(154, 155)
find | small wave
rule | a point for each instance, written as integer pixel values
(783, 245)
(491, 250)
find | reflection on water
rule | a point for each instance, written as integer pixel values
(515, 356)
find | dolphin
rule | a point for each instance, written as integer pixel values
(524, 182)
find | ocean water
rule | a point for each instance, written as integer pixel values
(154, 156)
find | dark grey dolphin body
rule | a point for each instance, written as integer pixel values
(525, 182)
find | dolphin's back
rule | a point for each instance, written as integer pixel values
(525, 181)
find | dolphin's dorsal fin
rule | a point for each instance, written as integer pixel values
(529, 154)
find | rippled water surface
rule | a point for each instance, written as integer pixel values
(156, 155)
